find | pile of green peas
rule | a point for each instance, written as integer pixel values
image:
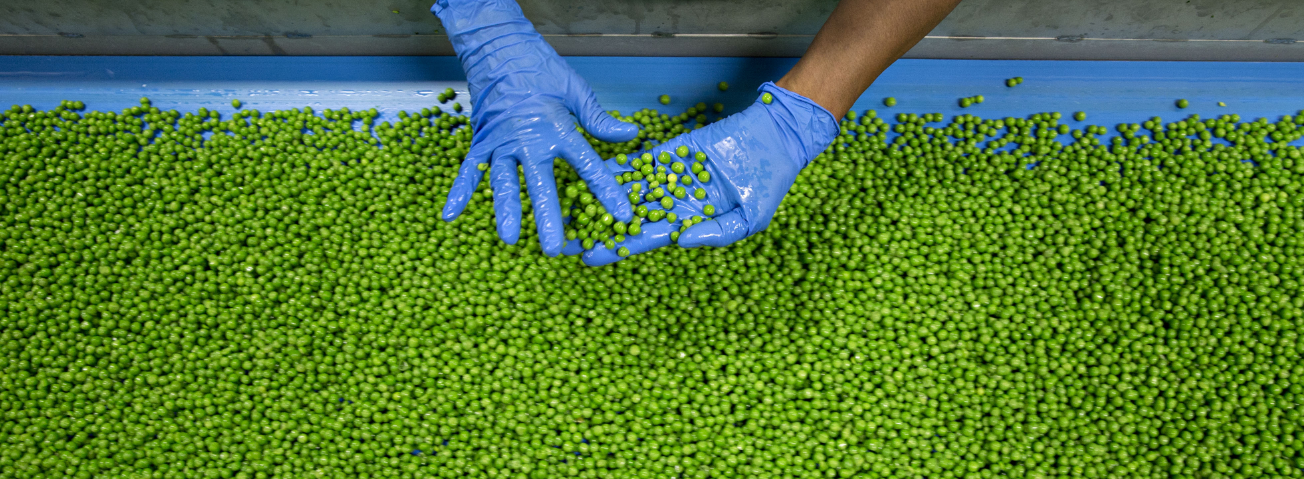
(668, 178)
(274, 294)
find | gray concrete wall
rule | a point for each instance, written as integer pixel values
(1009, 29)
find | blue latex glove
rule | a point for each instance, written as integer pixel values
(753, 158)
(522, 98)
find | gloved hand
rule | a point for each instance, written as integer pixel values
(522, 98)
(752, 159)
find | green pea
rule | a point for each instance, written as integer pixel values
(723, 86)
(682, 151)
(889, 102)
(239, 292)
(235, 103)
(1080, 116)
(704, 176)
(1183, 103)
(664, 99)
(718, 107)
(767, 98)
(677, 167)
(709, 210)
(699, 193)
(667, 202)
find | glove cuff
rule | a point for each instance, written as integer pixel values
(807, 127)
(473, 24)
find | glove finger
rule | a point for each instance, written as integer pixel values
(653, 236)
(601, 181)
(720, 231)
(616, 168)
(572, 248)
(507, 197)
(468, 179)
(598, 122)
(542, 187)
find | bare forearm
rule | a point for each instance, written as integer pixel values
(858, 41)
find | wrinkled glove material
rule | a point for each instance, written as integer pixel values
(522, 97)
(753, 158)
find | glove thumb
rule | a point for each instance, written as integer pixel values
(598, 123)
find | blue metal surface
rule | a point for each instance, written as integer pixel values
(1110, 92)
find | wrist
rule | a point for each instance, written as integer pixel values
(473, 25)
(806, 127)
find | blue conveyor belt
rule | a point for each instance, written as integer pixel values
(1110, 92)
